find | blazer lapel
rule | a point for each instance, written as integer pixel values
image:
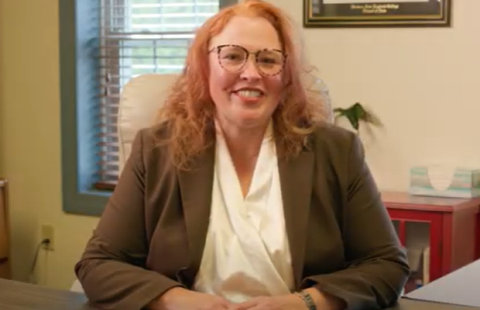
(296, 183)
(196, 193)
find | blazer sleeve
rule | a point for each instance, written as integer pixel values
(112, 268)
(377, 267)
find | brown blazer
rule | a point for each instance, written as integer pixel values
(151, 235)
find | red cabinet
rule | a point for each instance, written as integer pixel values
(440, 234)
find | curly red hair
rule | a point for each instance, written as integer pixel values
(189, 110)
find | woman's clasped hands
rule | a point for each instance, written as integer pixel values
(179, 298)
(285, 302)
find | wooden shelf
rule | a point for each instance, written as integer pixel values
(5, 271)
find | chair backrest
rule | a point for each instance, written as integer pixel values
(327, 100)
(140, 100)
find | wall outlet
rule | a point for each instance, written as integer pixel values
(48, 232)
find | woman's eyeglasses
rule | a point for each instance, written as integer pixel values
(234, 57)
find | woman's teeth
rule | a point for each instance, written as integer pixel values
(249, 93)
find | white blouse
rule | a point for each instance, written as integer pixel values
(246, 252)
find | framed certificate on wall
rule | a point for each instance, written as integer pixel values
(376, 13)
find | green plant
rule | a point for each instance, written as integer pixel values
(357, 114)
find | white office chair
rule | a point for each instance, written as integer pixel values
(142, 97)
(139, 102)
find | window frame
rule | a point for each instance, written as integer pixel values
(77, 96)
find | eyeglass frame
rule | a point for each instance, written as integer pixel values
(218, 48)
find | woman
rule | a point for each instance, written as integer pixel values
(241, 197)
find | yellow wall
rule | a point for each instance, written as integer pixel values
(2, 105)
(31, 140)
(403, 74)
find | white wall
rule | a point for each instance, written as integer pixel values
(423, 83)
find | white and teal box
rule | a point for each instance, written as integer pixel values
(444, 181)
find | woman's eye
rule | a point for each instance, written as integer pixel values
(232, 57)
(268, 60)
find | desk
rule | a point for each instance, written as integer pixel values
(22, 296)
(459, 287)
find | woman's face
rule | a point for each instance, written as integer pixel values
(245, 88)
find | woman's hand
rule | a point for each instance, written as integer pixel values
(180, 298)
(285, 302)
(322, 301)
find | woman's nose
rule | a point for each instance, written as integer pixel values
(250, 70)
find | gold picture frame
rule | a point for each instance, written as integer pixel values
(380, 13)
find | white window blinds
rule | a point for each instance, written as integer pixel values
(138, 37)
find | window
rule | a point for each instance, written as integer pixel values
(138, 37)
(103, 44)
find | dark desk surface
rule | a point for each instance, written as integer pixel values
(22, 296)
